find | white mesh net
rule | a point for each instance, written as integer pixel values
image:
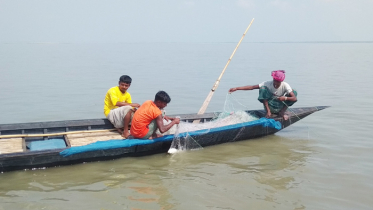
(230, 116)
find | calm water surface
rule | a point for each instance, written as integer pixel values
(324, 161)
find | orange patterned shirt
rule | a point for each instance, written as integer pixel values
(147, 112)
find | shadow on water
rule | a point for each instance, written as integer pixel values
(164, 181)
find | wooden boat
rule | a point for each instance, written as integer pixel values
(46, 144)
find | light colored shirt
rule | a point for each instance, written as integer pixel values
(147, 112)
(280, 91)
(113, 96)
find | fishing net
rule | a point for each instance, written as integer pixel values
(233, 113)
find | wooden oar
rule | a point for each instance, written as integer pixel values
(52, 134)
(207, 100)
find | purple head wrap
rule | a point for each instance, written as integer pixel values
(278, 75)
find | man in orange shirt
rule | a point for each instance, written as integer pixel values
(149, 117)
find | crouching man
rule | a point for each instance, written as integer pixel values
(276, 95)
(149, 117)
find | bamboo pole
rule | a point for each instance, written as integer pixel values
(52, 134)
(209, 96)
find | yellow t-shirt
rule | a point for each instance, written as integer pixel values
(114, 95)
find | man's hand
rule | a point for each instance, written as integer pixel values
(125, 134)
(232, 90)
(135, 105)
(268, 115)
(168, 118)
(282, 98)
(176, 120)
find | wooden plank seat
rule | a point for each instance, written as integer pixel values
(11, 145)
(80, 139)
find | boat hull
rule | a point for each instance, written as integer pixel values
(50, 158)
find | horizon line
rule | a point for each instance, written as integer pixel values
(260, 42)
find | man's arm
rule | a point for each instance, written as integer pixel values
(163, 128)
(248, 87)
(292, 97)
(115, 100)
(119, 104)
(168, 118)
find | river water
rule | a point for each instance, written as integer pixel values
(324, 161)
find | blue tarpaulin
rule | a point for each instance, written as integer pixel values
(47, 144)
(113, 144)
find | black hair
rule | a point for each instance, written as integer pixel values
(162, 96)
(125, 79)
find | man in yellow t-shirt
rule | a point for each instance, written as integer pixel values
(118, 106)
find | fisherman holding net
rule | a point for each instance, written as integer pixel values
(149, 117)
(276, 95)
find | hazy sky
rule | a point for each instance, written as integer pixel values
(185, 20)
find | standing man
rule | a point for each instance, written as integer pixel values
(118, 106)
(149, 117)
(276, 95)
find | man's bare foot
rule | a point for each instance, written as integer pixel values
(120, 130)
(285, 116)
(155, 136)
(125, 134)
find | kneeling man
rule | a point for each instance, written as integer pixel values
(149, 117)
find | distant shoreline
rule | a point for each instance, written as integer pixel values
(282, 42)
(312, 42)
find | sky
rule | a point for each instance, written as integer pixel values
(124, 21)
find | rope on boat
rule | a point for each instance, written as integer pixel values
(234, 98)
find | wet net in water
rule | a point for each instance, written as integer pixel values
(233, 114)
